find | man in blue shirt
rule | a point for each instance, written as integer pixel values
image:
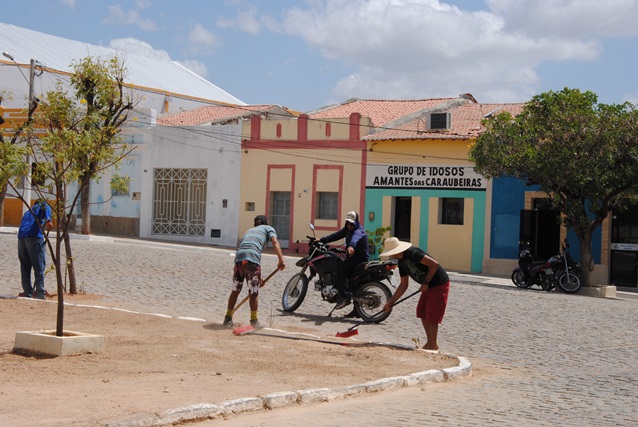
(356, 241)
(32, 248)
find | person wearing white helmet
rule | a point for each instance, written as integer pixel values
(357, 252)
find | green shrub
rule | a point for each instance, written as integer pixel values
(375, 241)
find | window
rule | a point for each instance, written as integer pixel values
(327, 204)
(179, 201)
(451, 211)
(120, 185)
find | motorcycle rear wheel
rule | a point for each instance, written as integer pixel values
(371, 298)
(569, 283)
(294, 292)
(518, 277)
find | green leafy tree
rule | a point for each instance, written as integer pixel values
(78, 140)
(583, 154)
(99, 86)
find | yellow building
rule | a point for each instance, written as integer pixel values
(419, 181)
(300, 171)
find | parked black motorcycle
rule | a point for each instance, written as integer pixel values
(559, 270)
(368, 294)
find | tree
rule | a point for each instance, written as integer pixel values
(99, 85)
(80, 138)
(583, 154)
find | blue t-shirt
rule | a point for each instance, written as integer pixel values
(29, 227)
(253, 243)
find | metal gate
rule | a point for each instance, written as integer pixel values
(179, 202)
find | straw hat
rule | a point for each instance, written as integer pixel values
(394, 246)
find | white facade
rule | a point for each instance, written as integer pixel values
(217, 149)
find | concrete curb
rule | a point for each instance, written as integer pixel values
(204, 411)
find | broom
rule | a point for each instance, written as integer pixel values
(341, 343)
(242, 329)
(352, 331)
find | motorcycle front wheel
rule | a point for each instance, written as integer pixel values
(294, 292)
(569, 283)
(518, 277)
(370, 300)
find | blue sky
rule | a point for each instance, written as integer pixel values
(308, 54)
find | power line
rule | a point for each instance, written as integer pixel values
(224, 137)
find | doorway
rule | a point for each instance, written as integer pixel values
(402, 218)
(540, 229)
(624, 248)
(279, 216)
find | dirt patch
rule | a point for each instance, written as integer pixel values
(152, 363)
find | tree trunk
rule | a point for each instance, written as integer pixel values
(585, 257)
(59, 329)
(70, 266)
(85, 205)
(3, 194)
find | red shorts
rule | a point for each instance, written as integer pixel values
(432, 303)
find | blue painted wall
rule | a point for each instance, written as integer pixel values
(508, 198)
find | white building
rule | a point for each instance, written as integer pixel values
(184, 180)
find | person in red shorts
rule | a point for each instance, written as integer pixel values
(435, 285)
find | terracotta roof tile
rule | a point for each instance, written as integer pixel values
(204, 115)
(465, 123)
(379, 111)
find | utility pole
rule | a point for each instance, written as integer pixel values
(26, 194)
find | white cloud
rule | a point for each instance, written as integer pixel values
(427, 48)
(569, 18)
(247, 20)
(196, 67)
(201, 40)
(119, 16)
(632, 98)
(139, 47)
(68, 3)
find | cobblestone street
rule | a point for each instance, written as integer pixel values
(539, 359)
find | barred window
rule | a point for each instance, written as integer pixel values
(451, 211)
(327, 205)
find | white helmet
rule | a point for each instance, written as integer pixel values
(352, 217)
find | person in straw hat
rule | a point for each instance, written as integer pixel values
(435, 285)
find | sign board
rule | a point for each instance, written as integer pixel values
(624, 247)
(424, 177)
